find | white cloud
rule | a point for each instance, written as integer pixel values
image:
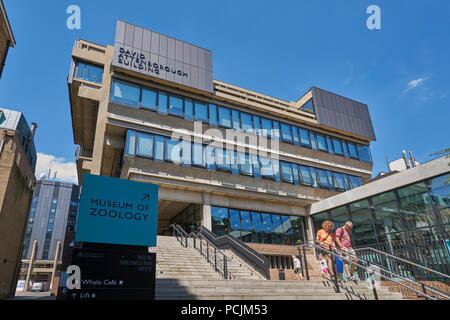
(65, 171)
(413, 84)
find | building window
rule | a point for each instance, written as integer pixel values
(212, 114)
(236, 120)
(159, 148)
(173, 151)
(162, 102)
(198, 157)
(126, 93)
(308, 106)
(224, 117)
(352, 150)
(145, 145)
(323, 179)
(322, 143)
(246, 120)
(286, 172)
(257, 125)
(306, 176)
(188, 109)
(364, 153)
(266, 168)
(201, 111)
(266, 127)
(223, 159)
(149, 99)
(304, 137)
(286, 133)
(337, 146)
(89, 72)
(175, 105)
(219, 220)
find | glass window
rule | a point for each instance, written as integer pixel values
(267, 222)
(224, 117)
(257, 124)
(236, 120)
(318, 219)
(387, 216)
(306, 176)
(286, 133)
(339, 183)
(304, 137)
(363, 232)
(234, 162)
(149, 98)
(130, 144)
(256, 221)
(298, 227)
(277, 225)
(162, 102)
(330, 145)
(440, 198)
(255, 164)
(323, 179)
(246, 221)
(339, 217)
(89, 72)
(219, 220)
(212, 114)
(125, 93)
(287, 226)
(266, 168)
(245, 166)
(337, 146)
(354, 181)
(345, 149)
(210, 157)
(188, 109)
(186, 152)
(276, 130)
(266, 127)
(145, 145)
(198, 156)
(201, 111)
(276, 169)
(246, 120)
(295, 136)
(322, 142)
(159, 148)
(346, 182)
(308, 106)
(315, 183)
(173, 151)
(235, 219)
(295, 173)
(222, 158)
(286, 172)
(313, 140)
(352, 150)
(364, 153)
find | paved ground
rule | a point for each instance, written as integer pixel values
(33, 296)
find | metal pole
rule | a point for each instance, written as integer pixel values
(373, 286)
(333, 262)
(207, 251)
(215, 259)
(306, 263)
(225, 268)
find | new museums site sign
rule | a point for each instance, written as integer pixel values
(117, 211)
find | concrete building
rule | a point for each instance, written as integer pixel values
(6, 37)
(17, 183)
(231, 159)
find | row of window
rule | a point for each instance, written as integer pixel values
(186, 153)
(165, 103)
(257, 227)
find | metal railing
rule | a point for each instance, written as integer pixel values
(367, 272)
(429, 257)
(213, 255)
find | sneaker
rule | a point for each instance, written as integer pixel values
(352, 278)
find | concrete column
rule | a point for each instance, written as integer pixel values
(30, 267)
(55, 263)
(207, 211)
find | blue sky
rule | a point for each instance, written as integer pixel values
(402, 72)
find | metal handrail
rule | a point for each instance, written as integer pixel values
(369, 271)
(225, 274)
(406, 261)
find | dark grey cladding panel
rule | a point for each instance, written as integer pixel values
(157, 55)
(342, 113)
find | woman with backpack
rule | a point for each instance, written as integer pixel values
(325, 239)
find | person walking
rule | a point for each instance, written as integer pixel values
(297, 267)
(325, 239)
(343, 242)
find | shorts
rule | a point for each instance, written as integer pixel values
(347, 252)
(298, 270)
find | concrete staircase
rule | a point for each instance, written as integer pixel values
(182, 273)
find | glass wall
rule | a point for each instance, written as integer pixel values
(417, 211)
(258, 227)
(190, 219)
(88, 72)
(166, 103)
(184, 152)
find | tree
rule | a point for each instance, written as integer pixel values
(446, 153)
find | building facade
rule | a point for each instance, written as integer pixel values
(225, 157)
(53, 213)
(17, 183)
(6, 37)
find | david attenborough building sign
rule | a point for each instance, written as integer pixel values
(151, 53)
(117, 211)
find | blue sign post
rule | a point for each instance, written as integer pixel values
(117, 211)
